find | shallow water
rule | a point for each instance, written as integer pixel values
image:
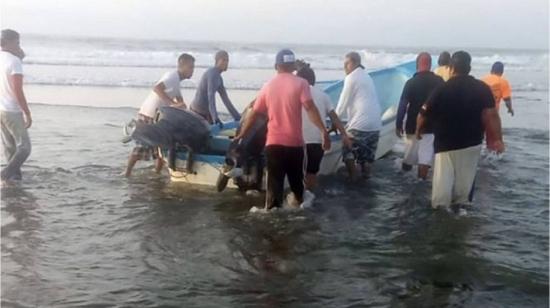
(77, 234)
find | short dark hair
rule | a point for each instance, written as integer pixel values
(444, 58)
(497, 68)
(221, 54)
(461, 62)
(8, 35)
(185, 58)
(307, 73)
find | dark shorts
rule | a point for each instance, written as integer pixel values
(364, 146)
(283, 161)
(142, 151)
(314, 157)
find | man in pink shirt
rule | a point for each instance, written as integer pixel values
(282, 99)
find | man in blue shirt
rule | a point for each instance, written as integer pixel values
(211, 82)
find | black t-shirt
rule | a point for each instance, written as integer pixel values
(416, 92)
(455, 109)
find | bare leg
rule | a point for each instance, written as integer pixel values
(365, 170)
(158, 165)
(311, 181)
(352, 169)
(132, 160)
(423, 171)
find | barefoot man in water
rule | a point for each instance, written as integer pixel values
(15, 114)
(282, 99)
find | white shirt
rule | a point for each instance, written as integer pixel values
(322, 102)
(358, 103)
(9, 65)
(153, 102)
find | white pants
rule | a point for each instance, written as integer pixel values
(454, 174)
(419, 152)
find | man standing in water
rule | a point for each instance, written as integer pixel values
(459, 112)
(211, 82)
(312, 138)
(415, 94)
(282, 99)
(14, 111)
(359, 104)
(499, 86)
(444, 69)
(166, 92)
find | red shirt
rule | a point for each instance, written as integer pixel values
(282, 99)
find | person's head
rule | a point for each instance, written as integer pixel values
(9, 41)
(444, 59)
(351, 62)
(285, 61)
(461, 63)
(222, 60)
(497, 68)
(186, 65)
(307, 73)
(423, 62)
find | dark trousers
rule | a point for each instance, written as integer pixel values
(284, 161)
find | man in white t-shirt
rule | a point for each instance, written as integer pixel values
(15, 114)
(166, 92)
(312, 137)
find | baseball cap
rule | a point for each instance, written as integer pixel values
(285, 56)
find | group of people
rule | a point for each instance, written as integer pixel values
(448, 112)
(445, 115)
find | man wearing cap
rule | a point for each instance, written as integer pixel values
(459, 111)
(358, 104)
(282, 99)
(499, 86)
(415, 93)
(211, 83)
(15, 114)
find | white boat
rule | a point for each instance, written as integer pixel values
(207, 166)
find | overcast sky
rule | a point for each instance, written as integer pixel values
(427, 23)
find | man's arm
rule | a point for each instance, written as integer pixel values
(17, 82)
(344, 99)
(508, 102)
(211, 89)
(315, 118)
(159, 90)
(420, 125)
(227, 102)
(401, 110)
(493, 128)
(338, 124)
(248, 123)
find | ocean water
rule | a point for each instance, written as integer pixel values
(75, 233)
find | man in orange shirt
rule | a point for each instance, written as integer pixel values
(499, 86)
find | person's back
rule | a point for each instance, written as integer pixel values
(282, 98)
(457, 121)
(323, 104)
(417, 91)
(364, 113)
(499, 86)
